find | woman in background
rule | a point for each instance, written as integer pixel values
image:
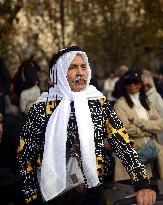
(141, 120)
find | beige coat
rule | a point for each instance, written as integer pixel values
(138, 129)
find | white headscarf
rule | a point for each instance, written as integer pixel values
(53, 170)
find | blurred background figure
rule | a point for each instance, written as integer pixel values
(28, 97)
(26, 82)
(159, 85)
(5, 82)
(6, 104)
(151, 92)
(109, 85)
(95, 81)
(117, 92)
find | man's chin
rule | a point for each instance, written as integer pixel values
(79, 88)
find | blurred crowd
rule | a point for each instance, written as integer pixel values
(17, 95)
(112, 85)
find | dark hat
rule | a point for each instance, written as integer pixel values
(61, 52)
(131, 75)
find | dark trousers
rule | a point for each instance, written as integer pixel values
(10, 187)
(93, 196)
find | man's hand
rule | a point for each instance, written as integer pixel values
(145, 197)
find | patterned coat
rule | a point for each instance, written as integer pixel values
(106, 125)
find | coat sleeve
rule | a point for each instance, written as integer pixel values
(122, 146)
(129, 122)
(154, 124)
(28, 153)
(159, 104)
(137, 127)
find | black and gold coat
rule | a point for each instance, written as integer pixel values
(106, 125)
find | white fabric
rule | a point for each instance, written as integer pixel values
(53, 170)
(156, 99)
(28, 98)
(109, 85)
(141, 111)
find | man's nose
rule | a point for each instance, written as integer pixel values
(80, 70)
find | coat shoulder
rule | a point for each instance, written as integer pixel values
(120, 102)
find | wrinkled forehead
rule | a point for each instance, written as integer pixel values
(69, 57)
(77, 58)
(73, 54)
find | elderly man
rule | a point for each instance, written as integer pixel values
(61, 151)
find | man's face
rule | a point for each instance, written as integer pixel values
(77, 74)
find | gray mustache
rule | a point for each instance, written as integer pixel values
(80, 78)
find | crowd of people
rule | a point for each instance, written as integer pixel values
(17, 94)
(92, 130)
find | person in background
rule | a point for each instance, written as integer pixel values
(28, 97)
(159, 84)
(95, 81)
(5, 82)
(61, 151)
(109, 85)
(141, 120)
(118, 92)
(26, 82)
(26, 76)
(6, 105)
(151, 92)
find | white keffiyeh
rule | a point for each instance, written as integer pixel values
(53, 170)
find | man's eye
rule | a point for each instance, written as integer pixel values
(72, 67)
(83, 66)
